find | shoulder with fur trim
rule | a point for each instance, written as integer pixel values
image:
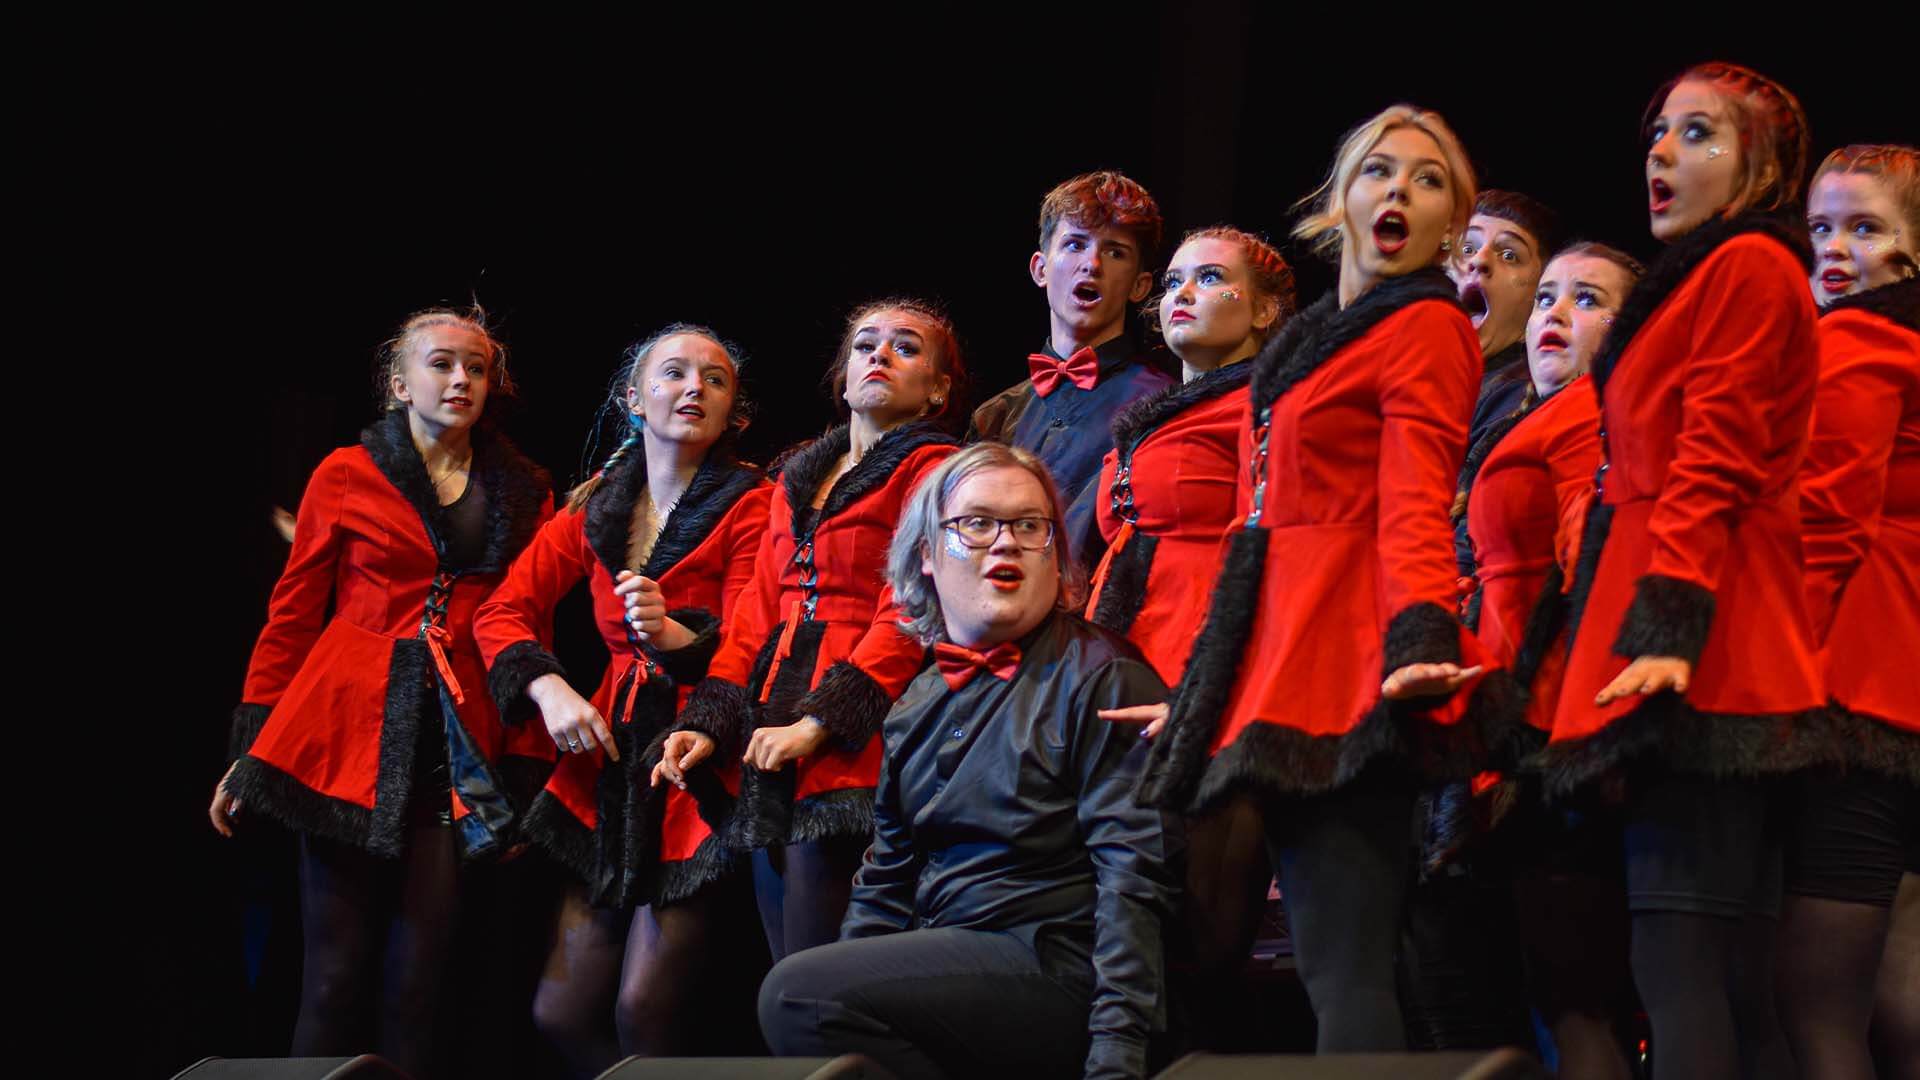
(1312, 337)
(809, 467)
(517, 489)
(1898, 303)
(1141, 418)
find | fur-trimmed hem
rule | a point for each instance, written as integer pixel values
(1686, 740)
(248, 719)
(1422, 633)
(680, 879)
(1124, 592)
(840, 812)
(555, 830)
(513, 671)
(718, 709)
(848, 703)
(687, 665)
(1860, 740)
(1668, 617)
(263, 789)
(1179, 756)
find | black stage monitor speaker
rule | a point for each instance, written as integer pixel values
(364, 1067)
(844, 1067)
(1506, 1064)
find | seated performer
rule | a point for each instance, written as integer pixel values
(1099, 236)
(1012, 882)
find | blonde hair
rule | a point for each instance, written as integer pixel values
(1328, 202)
(919, 529)
(393, 351)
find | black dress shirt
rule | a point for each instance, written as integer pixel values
(1008, 805)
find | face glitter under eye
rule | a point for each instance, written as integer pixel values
(956, 549)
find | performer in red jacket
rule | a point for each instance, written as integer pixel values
(1531, 481)
(1169, 490)
(1856, 825)
(814, 655)
(664, 536)
(1692, 667)
(1343, 574)
(365, 724)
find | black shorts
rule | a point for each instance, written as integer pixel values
(1853, 833)
(1700, 844)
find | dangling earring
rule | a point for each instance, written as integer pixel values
(1446, 244)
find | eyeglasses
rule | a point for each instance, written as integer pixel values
(978, 531)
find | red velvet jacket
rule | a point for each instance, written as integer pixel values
(1168, 491)
(630, 842)
(1345, 570)
(346, 666)
(1706, 383)
(1860, 516)
(1529, 500)
(817, 634)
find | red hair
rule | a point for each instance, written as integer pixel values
(1774, 141)
(1097, 199)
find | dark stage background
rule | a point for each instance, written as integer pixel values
(307, 196)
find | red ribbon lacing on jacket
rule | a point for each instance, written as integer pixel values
(782, 650)
(433, 628)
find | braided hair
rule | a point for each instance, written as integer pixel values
(1267, 269)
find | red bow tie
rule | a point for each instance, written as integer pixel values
(1047, 373)
(958, 664)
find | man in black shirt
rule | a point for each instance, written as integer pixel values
(1007, 917)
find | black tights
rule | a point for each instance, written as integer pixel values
(1829, 957)
(1228, 872)
(644, 969)
(1345, 864)
(802, 890)
(1705, 982)
(377, 932)
(1896, 1013)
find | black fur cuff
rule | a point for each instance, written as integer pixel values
(719, 710)
(513, 671)
(1668, 617)
(248, 719)
(688, 664)
(1423, 633)
(848, 703)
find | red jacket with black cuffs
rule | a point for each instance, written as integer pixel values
(1343, 569)
(1167, 496)
(817, 634)
(367, 633)
(1529, 500)
(1706, 383)
(630, 842)
(1860, 517)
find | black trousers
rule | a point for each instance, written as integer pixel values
(929, 1003)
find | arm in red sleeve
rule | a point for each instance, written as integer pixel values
(1752, 301)
(1843, 482)
(516, 621)
(297, 611)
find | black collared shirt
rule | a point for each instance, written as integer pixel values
(1071, 429)
(1008, 805)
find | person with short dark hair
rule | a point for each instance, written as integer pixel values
(1099, 237)
(1006, 919)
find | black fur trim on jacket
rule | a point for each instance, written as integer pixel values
(715, 487)
(1477, 456)
(1423, 633)
(1676, 263)
(807, 468)
(1586, 565)
(687, 664)
(1132, 425)
(522, 778)
(517, 490)
(1682, 739)
(1544, 623)
(512, 672)
(553, 828)
(842, 812)
(763, 814)
(720, 710)
(409, 696)
(1898, 303)
(1865, 742)
(1178, 756)
(1668, 617)
(1310, 338)
(265, 790)
(848, 703)
(248, 719)
(1125, 591)
(680, 879)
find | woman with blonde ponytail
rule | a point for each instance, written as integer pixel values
(664, 535)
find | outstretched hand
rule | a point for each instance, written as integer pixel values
(1648, 675)
(1154, 716)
